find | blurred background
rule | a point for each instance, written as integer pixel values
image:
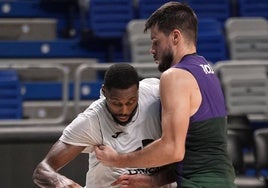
(53, 54)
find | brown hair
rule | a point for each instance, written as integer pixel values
(175, 15)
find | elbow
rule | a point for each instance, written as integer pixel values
(174, 151)
(178, 154)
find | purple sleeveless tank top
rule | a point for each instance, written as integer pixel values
(213, 104)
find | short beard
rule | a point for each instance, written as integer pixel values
(166, 62)
(120, 122)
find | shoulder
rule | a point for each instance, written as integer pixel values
(97, 104)
(177, 78)
(150, 82)
(149, 87)
(175, 75)
(96, 109)
(89, 119)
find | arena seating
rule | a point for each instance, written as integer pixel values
(144, 8)
(211, 40)
(244, 85)
(41, 86)
(138, 42)
(249, 8)
(109, 20)
(10, 97)
(247, 37)
(216, 9)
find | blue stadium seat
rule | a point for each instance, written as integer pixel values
(39, 90)
(22, 9)
(108, 19)
(39, 9)
(209, 26)
(10, 96)
(211, 40)
(47, 49)
(216, 9)
(32, 9)
(145, 8)
(249, 8)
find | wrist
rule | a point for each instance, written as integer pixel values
(119, 161)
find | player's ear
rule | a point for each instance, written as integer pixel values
(176, 36)
(103, 89)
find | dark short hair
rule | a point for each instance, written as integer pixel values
(175, 15)
(121, 76)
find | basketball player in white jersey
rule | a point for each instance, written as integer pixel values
(126, 117)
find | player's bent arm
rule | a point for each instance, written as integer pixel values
(46, 175)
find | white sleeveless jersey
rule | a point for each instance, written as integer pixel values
(96, 126)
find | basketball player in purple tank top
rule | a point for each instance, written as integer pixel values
(193, 108)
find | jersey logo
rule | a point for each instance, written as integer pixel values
(116, 134)
(148, 171)
(207, 69)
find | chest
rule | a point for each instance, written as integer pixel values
(135, 136)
